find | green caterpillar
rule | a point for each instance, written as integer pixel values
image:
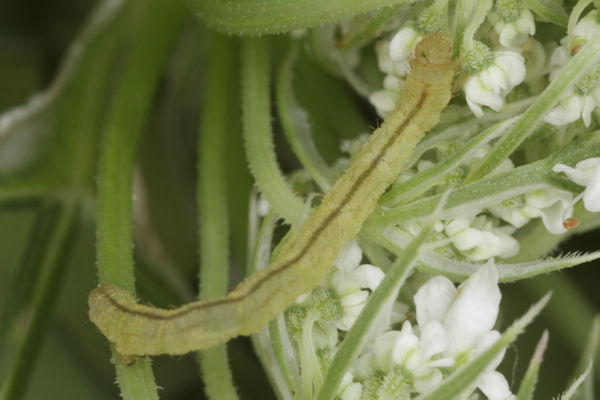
(305, 259)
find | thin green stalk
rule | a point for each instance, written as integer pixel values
(268, 343)
(370, 29)
(587, 57)
(161, 24)
(551, 10)
(50, 255)
(434, 263)
(212, 202)
(296, 125)
(527, 387)
(258, 17)
(357, 335)
(258, 134)
(417, 185)
(492, 190)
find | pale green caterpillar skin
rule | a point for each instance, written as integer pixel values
(307, 256)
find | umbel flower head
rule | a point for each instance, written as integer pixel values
(491, 83)
(454, 325)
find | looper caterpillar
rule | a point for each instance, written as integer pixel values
(307, 256)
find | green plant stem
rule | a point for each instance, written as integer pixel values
(258, 135)
(257, 17)
(212, 199)
(131, 103)
(296, 124)
(50, 255)
(551, 10)
(369, 29)
(527, 387)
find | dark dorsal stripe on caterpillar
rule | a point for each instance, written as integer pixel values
(305, 259)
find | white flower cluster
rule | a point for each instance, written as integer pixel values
(479, 239)
(393, 59)
(350, 280)
(454, 325)
(489, 86)
(552, 205)
(492, 76)
(584, 98)
(513, 31)
(555, 206)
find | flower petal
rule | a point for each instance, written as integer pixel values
(591, 195)
(368, 276)
(487, 341)
(434, 339)
(349, 257)
(433, 299)
(567, 111)
(474, 309)
(494, 386)
(403, 44)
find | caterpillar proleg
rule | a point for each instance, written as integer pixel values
(307, 256)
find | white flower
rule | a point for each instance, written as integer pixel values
(417, 355)
(349, 390)
(349, 280)
(587, 27)
(384, 101)
(402, 47)
(453, 327)
(262, 206)
(514, 33)
(554, 206)
(489, 85)
(572, 107)
(467, 316)
(577, 103)
(393, 59)
(479, 240)
(586, 173)
(560, 57)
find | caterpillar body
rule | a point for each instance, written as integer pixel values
(305, 259)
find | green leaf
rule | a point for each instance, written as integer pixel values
(531, 375)
(258, 17)
(421, 182)
(437, 264)
(491, 190)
